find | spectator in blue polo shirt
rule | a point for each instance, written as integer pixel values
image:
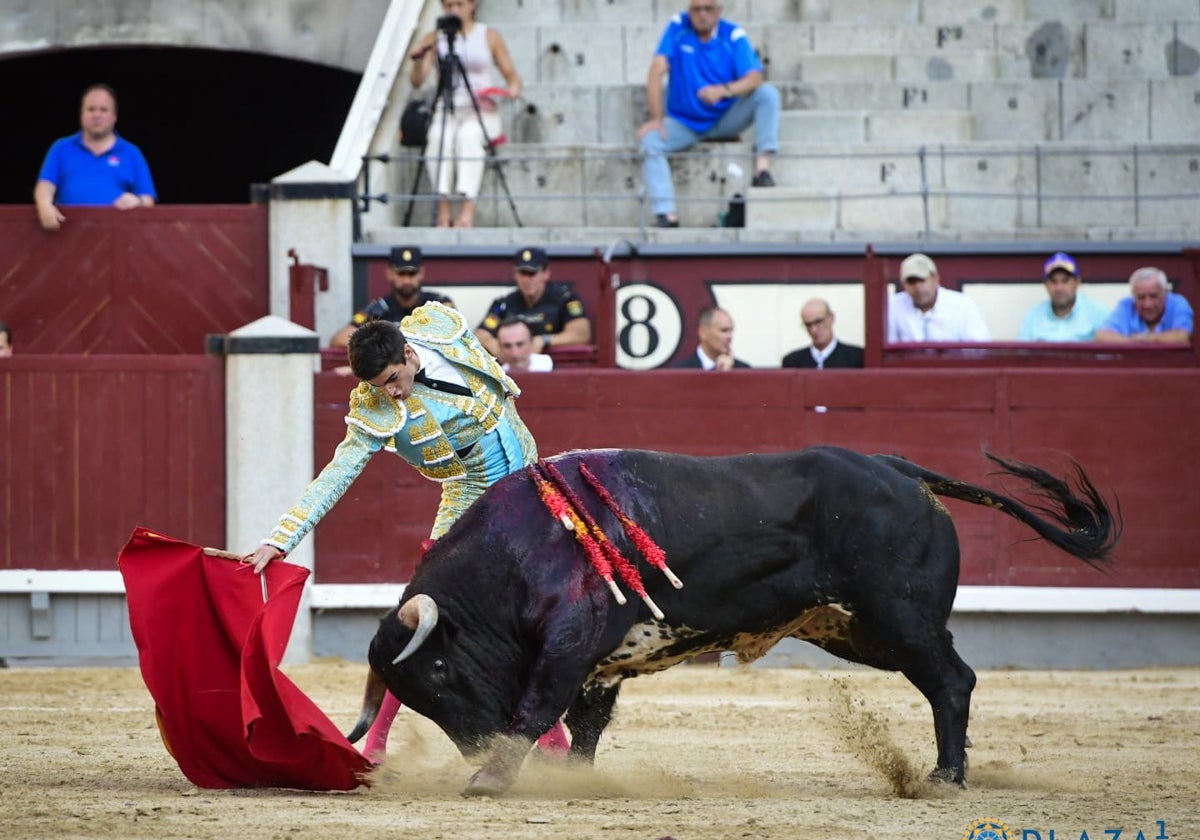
(1067, 314)
(715, 90)
(1151, 313)
(94, 166)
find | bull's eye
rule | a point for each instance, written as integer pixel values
(439, 670)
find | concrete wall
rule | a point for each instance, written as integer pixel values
(339, 34)
(1076, 641)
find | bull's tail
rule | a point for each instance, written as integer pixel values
(1077, 520)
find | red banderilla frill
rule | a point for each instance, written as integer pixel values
(560, 499)
(654, 555)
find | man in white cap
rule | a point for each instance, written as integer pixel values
(1066, 314)
(924, 311)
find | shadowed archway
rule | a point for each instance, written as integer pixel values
(210, 122)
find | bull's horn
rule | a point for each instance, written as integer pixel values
(419, 612)
(372, 699)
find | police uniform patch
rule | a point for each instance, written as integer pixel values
(575, 309)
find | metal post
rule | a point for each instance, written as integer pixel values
(924, 188)
(1037, 169)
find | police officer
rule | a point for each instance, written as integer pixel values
(406, 272)
(552, 311)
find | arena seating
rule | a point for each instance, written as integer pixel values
(973, 120)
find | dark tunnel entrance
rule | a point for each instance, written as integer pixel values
(210, 122)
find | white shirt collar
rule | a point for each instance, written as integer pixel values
(819, 356)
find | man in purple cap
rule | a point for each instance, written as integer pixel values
(1066, 315)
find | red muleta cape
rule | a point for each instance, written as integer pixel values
(209, 648)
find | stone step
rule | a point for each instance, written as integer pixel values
(1164, 110)
(602, 236)
(980, 184)
(927, 126)
(658, 12)
(620, 52)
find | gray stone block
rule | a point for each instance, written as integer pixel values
(1138, 51)
(639, 45)
(791, 209)
(546, 189)
(823, 126)
(919, 127)
(564, 114)
(857, 96)
(1067, 10)
(899, 38)
(1024, 112)
(946, 66)
(945, 12)
(501, 12)
(1140, 11)
(829, 168)
(613, 188)
(1175, 110)
(27, 24)
(901, 213)
(853, 11)
(1086, 188)
(524, 46)
(574, 54)
(785, 45)
(772, 11)
(614, 11)
(816, 69)
(1106, 111)
(622, 110)
(1041, 49)
(988, 189)
(1168, 186)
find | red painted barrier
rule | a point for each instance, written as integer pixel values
(1133, 431)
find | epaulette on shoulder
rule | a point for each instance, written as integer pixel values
(375, 412)
(434, 323)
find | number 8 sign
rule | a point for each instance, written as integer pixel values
(649, 326)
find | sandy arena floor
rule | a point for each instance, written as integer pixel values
(696, 752)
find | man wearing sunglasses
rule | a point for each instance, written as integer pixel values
(714, 90)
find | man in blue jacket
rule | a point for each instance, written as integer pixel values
(715, 90)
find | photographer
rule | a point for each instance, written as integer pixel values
(459, 134)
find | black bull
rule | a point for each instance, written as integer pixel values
(853, 553)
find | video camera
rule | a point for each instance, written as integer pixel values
(450, 25)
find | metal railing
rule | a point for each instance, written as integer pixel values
(1043, 179)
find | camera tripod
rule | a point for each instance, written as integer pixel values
(448, 65)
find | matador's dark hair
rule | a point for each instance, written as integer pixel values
(374, 346)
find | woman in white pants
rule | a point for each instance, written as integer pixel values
(455, 162)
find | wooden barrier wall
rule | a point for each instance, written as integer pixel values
(1133, 430)
(139, 281)
(92, 446)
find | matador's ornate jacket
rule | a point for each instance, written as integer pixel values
(465, 442)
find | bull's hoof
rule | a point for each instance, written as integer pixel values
(948, 776)
(487, 782)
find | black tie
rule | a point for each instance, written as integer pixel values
(439, 385)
